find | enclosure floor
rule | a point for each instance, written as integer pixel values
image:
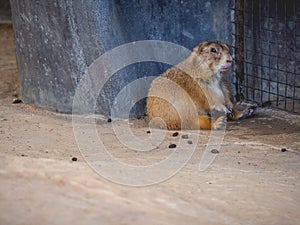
(251, 180)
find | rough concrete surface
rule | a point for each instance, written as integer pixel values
(252, 180)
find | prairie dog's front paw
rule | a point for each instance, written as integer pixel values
(222, 108)
(229, 105)
(230, 109)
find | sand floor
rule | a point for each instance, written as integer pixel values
(44, 178)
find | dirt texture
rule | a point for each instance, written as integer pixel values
(254, 178)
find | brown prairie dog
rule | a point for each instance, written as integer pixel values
(184, 95)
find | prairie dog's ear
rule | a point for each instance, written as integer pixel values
(224, 45)
(227, 46)
(198, 49)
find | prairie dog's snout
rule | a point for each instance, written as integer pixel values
(226, 66)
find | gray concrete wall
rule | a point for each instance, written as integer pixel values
(5, 12)
(57, 40)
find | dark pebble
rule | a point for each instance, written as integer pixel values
(23, 155)
(214, 151)
(109, 120)
(190, 142)
(74, 159)
(172, 146)
(239, 151)
(185, 136)
(239, 162)
(175, 134)
(17, 101)
(148, 131)
(283, 149)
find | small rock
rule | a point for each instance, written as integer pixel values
(172, 146)
(190, 142)
(185, 136)
(239, 151)
(17, 101)
(283, 149)
(109, 120)
(175, 134)
(214, 151)
(74, 159)
(148, 131)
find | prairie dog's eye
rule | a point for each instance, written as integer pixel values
(213, 50)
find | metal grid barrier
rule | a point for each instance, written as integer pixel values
(267, 52)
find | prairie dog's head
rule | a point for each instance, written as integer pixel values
(213, 56)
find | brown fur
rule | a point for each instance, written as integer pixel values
(184, 95)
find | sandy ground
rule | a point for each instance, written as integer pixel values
(254, 179)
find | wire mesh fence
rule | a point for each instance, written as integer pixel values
(267, 52)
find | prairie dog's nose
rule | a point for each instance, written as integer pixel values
(229, 60)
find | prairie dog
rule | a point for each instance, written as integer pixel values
(184, 95)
